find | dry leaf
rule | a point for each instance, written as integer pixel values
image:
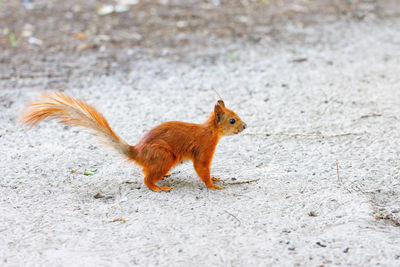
(80, 36)
(121, 219)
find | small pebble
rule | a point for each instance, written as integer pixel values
(98, 195)
(312, 214)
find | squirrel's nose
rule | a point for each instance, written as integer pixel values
(244, 126)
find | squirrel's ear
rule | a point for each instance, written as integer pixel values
(221, 103)
(218, 112)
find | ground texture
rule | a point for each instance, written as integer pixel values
(286, 67)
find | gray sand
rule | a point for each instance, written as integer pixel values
(347, 81)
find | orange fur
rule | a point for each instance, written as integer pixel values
(159, 149)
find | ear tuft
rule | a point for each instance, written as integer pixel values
(221, 103)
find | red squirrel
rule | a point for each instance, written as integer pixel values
(159, 149)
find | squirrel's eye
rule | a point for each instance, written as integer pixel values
(232, 121)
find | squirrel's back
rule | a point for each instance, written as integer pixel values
(182, 139)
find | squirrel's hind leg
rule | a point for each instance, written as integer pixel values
(151, 177)
(159, 167)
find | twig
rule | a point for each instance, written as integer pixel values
(337, 173)
(370, 115)
(121, 219)
(217, 93)
(244, 182)
(300, 134)
(240, 223)
(339, 179)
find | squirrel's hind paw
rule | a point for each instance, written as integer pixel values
(165, 188)
(213, 187)
(157, 188)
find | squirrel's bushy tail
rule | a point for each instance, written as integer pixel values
(71, 111)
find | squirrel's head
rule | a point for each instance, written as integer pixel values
(227, 122)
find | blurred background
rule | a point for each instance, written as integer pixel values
(40, 37)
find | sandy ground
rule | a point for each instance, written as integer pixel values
(318, 201)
